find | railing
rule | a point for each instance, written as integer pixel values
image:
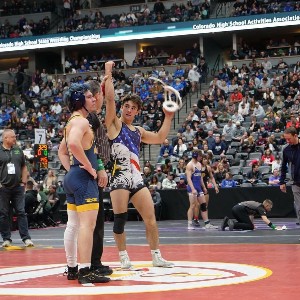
(222, 8)
(216, 65)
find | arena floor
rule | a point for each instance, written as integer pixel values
(208, 264)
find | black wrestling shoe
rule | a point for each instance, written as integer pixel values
(102, 270)
(71, 273)
(231, 224)
(224, 223)
(86, 275)
(196, 223)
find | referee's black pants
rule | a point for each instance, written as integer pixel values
(97, 250)
(242, 217)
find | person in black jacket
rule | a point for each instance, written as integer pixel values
(291, 157)
(31, 201)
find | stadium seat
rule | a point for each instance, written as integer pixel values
(238, 178)
(245, 170)
(255, 155)
(235, 170)
(264, 169)
(246, 184)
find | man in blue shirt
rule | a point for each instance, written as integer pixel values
(166, 151)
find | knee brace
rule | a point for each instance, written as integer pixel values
(119, 222)
(203, 207)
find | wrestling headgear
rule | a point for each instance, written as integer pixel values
(76, 97)
(195, 154)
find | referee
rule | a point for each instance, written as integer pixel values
(245, 212)
(13, 178)
(104, 151)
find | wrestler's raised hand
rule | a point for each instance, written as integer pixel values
(168, 114)
(109, 66)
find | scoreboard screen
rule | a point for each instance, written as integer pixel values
(41, 155)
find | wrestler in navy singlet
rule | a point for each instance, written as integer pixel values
(80, 186)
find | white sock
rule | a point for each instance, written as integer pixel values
(70, 238)
(157, 251)
(85, 265)
(124, 252)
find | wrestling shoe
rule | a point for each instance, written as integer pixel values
(158, 261)
(102, 270)
(224, 223)
(86, 275)
(71, 273)
(191, 227)
(210, 226)
(6, 243)
(28, 243)
(196, 223)
(125, 261)
(230, 225)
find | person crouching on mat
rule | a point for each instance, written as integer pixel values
(244, 212)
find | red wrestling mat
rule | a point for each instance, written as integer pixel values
(202, 272)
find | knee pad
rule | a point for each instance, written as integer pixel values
(119, 222)
(203, 207)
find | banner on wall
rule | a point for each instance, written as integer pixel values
(151, 31)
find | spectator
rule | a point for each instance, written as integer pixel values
(258, 111)
(254, 126)
(228, 182)
(237, 117)
(31, 200)
(169, 182)
(220, 173)
(276, 164)
(181, 185)
(267, 158)
(243, 108)
(282, 66)
(188, 134)
(194, 77)
(274, 178)
(219, 147)
(254, 176)
(228, 128)
(179, 149)
(167, 167)
(159, 174)
(181, 166)
(154, 183)
(248, 145)
(156, 200)
(267, 65)
(166, 151)
(149, 165)
(159, 8)
(238, 132)
(49, 180)
(278, 126)
(147, 175)
(52, 196)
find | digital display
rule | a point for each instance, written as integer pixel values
(41, 155)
